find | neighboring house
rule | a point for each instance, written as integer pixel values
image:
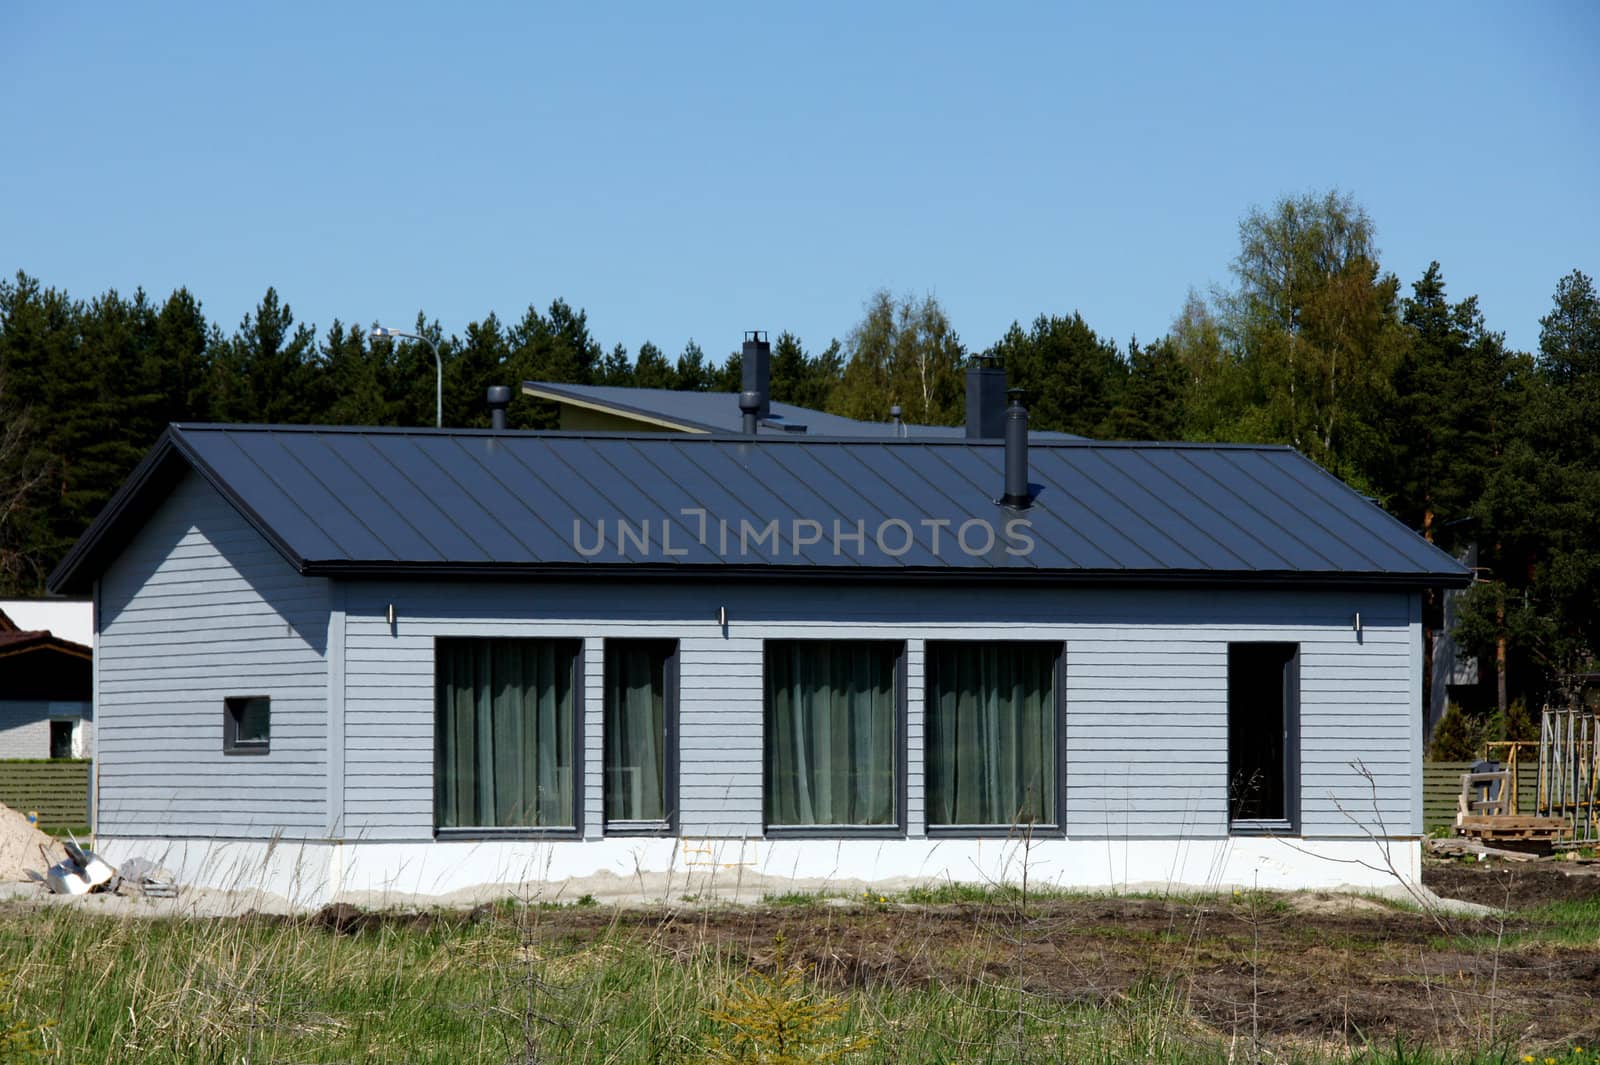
(46, 691)
(438, 659)
(68, 618)
(604, 408)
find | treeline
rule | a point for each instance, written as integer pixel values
(1401, 389)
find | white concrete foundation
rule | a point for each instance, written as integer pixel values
(654, 870)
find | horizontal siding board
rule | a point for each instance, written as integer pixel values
(1145, 724)
(1146, 689)
(196, 608)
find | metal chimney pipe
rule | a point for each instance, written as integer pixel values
(755, 371)
(750, 407)
(1016, 453)
(499, 398)
(986, 399)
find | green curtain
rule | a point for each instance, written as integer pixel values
(504, 733)
(831, 725)
(991, 734)
(636, 730)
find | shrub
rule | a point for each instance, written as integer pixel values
(1515, 724)
(1457, 737)
(772, 1019)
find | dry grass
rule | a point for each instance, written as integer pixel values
(997, 978)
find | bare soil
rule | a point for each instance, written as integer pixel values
(1514, 885)
(1313, 969)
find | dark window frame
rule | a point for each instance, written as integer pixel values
(1293, 766)
(1053, 830)
(72, 724)
(579, 755)
(668, 826)
(233, 707)
(898, 830)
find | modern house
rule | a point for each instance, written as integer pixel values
(439, 659)
(46, 690)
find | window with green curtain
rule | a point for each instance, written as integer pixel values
(637, 705)
(832, 733)
(504, 733)
(991, 733)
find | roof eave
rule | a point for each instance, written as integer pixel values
(353, 569)
(149, 483)
(45, 641)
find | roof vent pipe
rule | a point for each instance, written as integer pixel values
(755, 372)
(750, 407)
(1016, 453)
(986, 399)
(499, 399)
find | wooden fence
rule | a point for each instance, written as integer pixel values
(1441, 785)
(58, 788)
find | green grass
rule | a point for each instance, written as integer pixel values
(1573, 923)
(975, 894)
(584, 986)
(945, 894)
(215, 991)
(797, 898)
(79, 832)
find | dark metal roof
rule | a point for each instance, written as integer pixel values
(337, 501)
(718, 412)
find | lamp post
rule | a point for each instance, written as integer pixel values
(380, 332)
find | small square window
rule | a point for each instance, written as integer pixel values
(246, 724)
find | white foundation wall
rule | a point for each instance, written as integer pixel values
(654, 870)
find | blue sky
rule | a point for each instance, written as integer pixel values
(694, 171)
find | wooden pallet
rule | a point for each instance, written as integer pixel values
(1510, 827)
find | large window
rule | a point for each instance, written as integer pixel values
(505, 731)
(1263, 733)
(833, 735)
(639, 712)
(993, 753)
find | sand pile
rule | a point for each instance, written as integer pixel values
(21, 857)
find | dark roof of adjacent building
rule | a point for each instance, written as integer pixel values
(718, 412)
(38, 665)
(15, 640)
(398, 502)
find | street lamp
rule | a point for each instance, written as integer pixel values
(379, 332)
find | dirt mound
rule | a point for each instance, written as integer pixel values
(25, 852)
(1512, 885)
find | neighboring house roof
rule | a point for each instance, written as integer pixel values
(69, 618)
(718, 412)
(426, 502)
(15, 641)
(35, 664)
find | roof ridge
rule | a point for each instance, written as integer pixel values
(714, 437)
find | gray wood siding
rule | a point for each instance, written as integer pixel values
(1145, 729)
(196, 608)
